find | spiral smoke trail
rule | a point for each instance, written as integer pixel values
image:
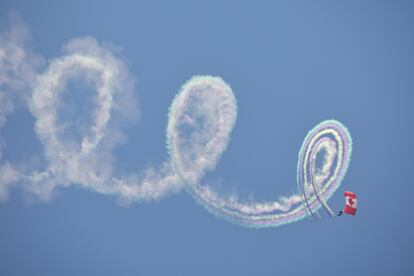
(201, 118)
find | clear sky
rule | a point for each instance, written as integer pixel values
(291, 65)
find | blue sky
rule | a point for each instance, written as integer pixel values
(291, 66)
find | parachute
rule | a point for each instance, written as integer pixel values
(350, 203)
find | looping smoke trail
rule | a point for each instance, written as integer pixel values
(333, 139)
(201, 118)
(88, 163)
(72, 164)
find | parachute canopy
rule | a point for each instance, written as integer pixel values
(350, 203)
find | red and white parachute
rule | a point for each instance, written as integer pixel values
(350, 203)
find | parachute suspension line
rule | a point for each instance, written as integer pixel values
(320, 199)
(307, 205)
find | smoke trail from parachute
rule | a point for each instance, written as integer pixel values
(201, 118)
(200, 121)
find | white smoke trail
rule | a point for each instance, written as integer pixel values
(89, 164)
(201, 119)
(17, 74)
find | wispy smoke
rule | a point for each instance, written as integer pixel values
(17, 74)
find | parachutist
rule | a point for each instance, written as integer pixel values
(350, 204)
